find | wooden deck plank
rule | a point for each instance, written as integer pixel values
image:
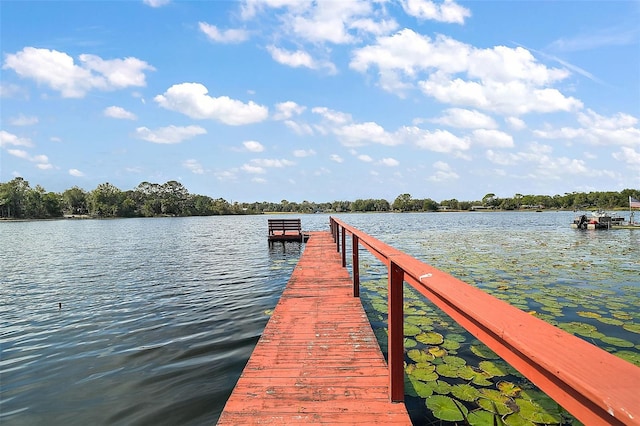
(318, 360)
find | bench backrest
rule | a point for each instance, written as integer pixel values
(284, 225)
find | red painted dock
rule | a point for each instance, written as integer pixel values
(318, 360)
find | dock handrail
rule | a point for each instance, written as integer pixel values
(592, 384)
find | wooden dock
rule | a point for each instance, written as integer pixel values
(318, 360)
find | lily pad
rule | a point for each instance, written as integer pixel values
(589, 314)
(617, 341)
(411, 330)
(437, 352)
(536, 413)
(632, 357)
(425, 374)
(610, 321)
(516, 419)
(430, 338)
(482, 379)
(409, 343)
(454, 360)
(418, 320)
(580, 328)
(509, 389)
(450, 345)
(465, 392)
(482, 418)
(441, 387)
(492, 368)
(455, 337)
(445, 408)
(496, 407)
(419, 355)
(423, 390)
(483, 352)
(632, 327)
(447, 370)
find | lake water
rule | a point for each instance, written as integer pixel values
(151, 321)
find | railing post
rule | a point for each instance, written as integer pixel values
(338, 237)
(344, 247)
(332, 226)
(356, 265)
(396, 333)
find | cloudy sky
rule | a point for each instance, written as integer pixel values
(322, 100)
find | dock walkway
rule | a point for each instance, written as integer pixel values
(318, 360)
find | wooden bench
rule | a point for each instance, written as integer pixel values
(285, 230)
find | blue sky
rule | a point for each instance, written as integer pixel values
(323, 100)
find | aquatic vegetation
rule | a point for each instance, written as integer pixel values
(459, 379)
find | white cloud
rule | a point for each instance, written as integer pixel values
(192, 100)
(250, 168)
(335, 117)
(360, 134)
(492, 138)
(250, 8)
(253, 146)
(265, 162)
(119, 113)
(597, 130)
(500, 79)
(464, 118)
(156, 3)
(321, 22)
(23, 120)
(298, 59)
(169, 135)
(389, 162)
(194, 166)
(41, 160)
(437, 141)
(589, 118)
(299, 128)
(286, 110)
(224, 36)
(515, 97)
(76, 173)
(447, 11)
(629, 156)
(259, 180)
(9, 90)
(443, 172)
(20, 153)
(300, 153)
(336, 158)
(7, 139)
(516, 123)
(365, 158)
(59, 71)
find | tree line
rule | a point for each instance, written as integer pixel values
(18, 200)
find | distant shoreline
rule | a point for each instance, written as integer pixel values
(475, 211)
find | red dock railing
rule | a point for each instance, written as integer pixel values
(592, 384)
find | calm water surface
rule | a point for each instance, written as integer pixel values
(159, 316)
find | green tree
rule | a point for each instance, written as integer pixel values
(74, 201)
(402, 202)
(105, 201)
(13, 198)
